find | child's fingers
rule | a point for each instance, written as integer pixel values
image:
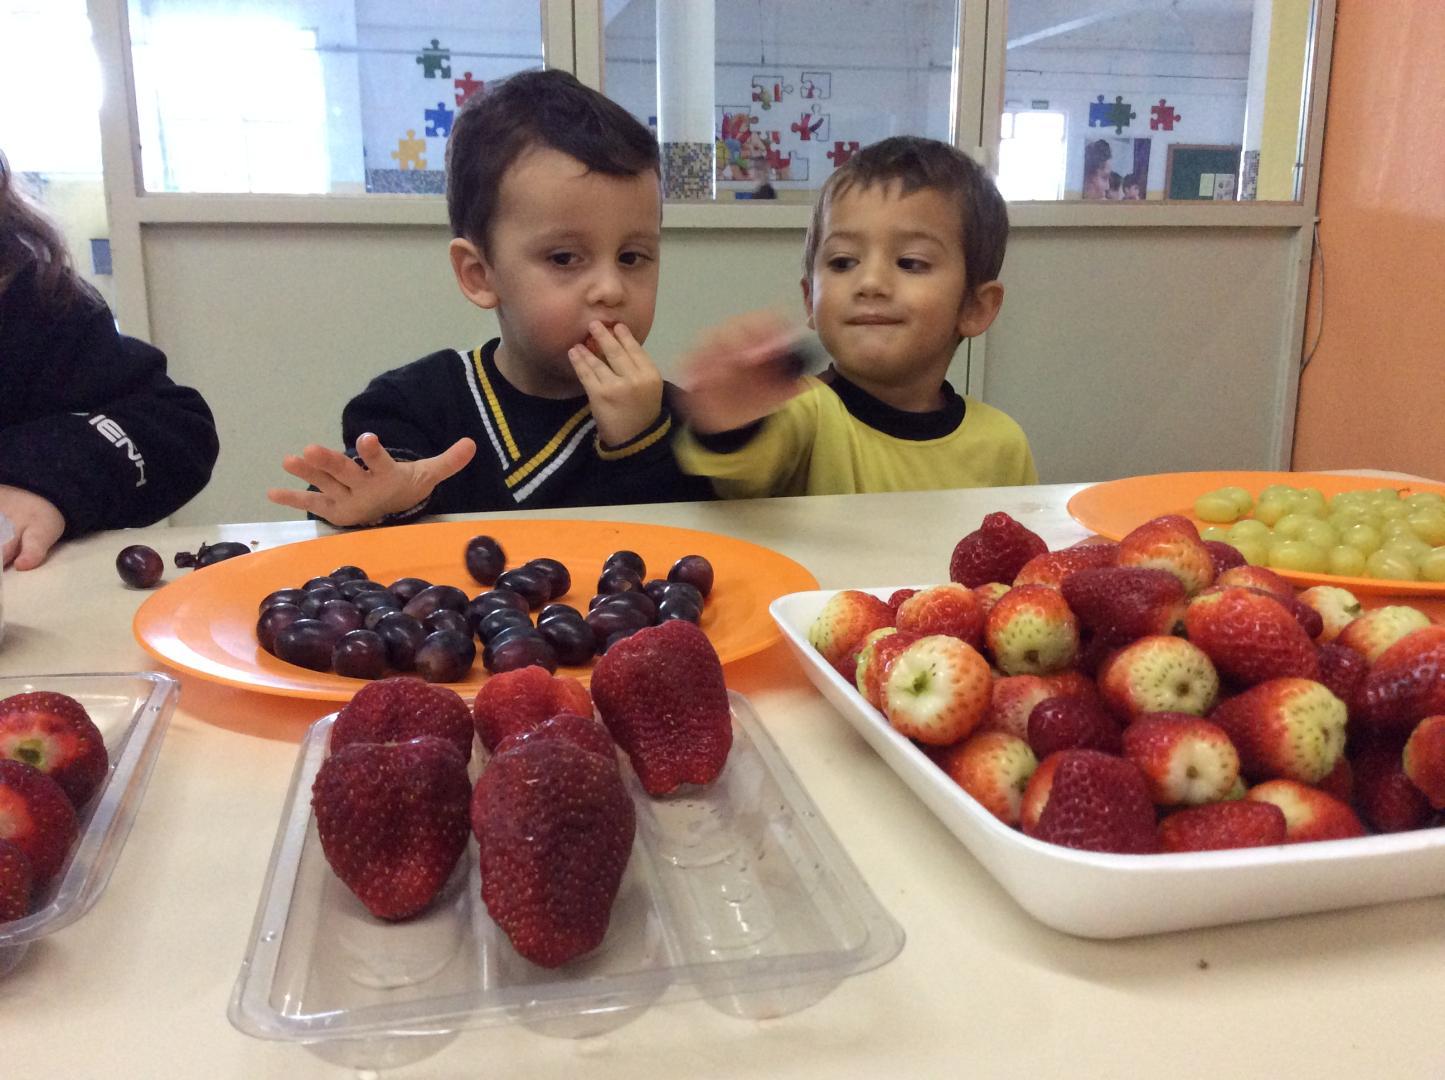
(589, 370)
(35, 545)
(334, 463)
(379, 462)
(311, 502)
(320, 479)
(449, 462)
(634, 357)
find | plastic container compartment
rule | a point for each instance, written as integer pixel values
(131, 710)
(737, 893)
(1115, 896)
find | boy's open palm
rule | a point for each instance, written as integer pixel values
(349, 494)
(734, 376)
(623, 385)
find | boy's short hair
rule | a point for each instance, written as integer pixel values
(535, 108)
(918, 164)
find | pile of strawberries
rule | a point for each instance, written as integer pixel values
(1156, 694)
(553, 819)
(52, 762)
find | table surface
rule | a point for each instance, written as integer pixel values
(140, 985)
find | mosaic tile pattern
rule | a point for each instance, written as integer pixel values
(687, 171)
(406, 181)
(1250, 188)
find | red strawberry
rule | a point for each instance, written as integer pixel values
(1337, 608)
(994, 767)
(1098, 802)
(1224, 556)
(584, 731)
(15, 882)
(944, 609)
(1185, 760)
(54, 733)
(1221, 825)
(1405, 684)
(1158, 673)
(522, 699)
(392, 818)
(897, 598)
(1376, 630)
(1072, 723)
(661, 695)
(37, 816)
(1309, 813)
(1011, 700)
(1031, 631)
(1291, 729)
(937, 690)
(1424, 759)
(1256, 577)
(995, 551)
(1385, 795)
(875, 660)
(1053, 567)
(402, 708)
(1120, 604)
(1339, 781)
(555, 825)
(1250, 637)
(1342, 670)
(989, 594)
(1036, 793)
(1073, 684)
(1170, 543)
(844, 621)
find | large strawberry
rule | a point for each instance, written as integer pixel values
(1240, 823)
(1290, 729)
(937, 690)
(1185, 760)
(37, 816)
(1098, 802)
(1170, 543)
(1120, 604)
(522, 699)
(944, 609)
(1379, 628)
(844, 621)
(1072, 723)
(1031, 631)
(1158, 673)
(392, 818)
(1384, 793)
(1405, 684)
(994, 767)
(1309, 813)
(995, 551)
(585, 731)
(1053, 567)
(16, 882)
(555, 825)
(661, 694)
(54, 733)
(1343, 671)
(1250, 636)
(403, 708)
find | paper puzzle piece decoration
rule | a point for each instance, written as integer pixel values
(409, 151)
(1115, 114)
(842, 151)
(1163, 116)
(467, 86)
(436, 62)
(812, 125)
(769, 89)
(439, 121)
(816, 84)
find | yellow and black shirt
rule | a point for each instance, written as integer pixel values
(532, 452)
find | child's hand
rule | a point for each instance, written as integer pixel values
(347, 494)
(623, 385)
(733, 377)
(38, 525)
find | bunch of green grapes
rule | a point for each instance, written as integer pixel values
(1367, 533)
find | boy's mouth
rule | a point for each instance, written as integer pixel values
(591, 344)
(872, 320)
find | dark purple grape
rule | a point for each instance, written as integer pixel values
(307, 643)
(282, 596)
(445, 656)
(494, 622)
(405, 588)
(637, 601)
(322, 582)
(341, 615)
(686, 590)
(607, 619)
(273, 620)
(552, 611)
(570, 637)
(678, 607)
(349, 573)
(559, 578)
(533, 585)
(498, 598)
(207, 554)
(354, 587)
(485, 559)
(371, 617)
(617, 579)
(316, 597)
(695, 571)
(629, 560)
(436, 598)
(446, 619)
(656, 589)
(139, 566)
(360, 654)
(369, 601)
(402, 636)
(519, 650)
(616, 636)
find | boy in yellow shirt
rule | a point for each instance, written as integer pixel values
(901, 264)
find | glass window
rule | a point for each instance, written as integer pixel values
(1189, 99)
(314, 96)
(787, 90)
(1033, 155)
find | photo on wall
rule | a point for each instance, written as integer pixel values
(1116, 169)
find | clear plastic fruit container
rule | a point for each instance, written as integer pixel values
(131, 710)
(736, 892)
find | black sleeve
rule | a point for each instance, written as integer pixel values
(106, 435)
(645, 470)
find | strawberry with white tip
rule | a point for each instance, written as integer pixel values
(1292, 729)
(994, 767)
(1309, 813)
(937, 690)
(1376, 630)
(1032, 631)
(845, 620)
(1337, 609)
(1158, 673)
(1186, 760)
(1170, 543)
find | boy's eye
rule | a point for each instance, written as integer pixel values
(563, 258)
(634, 258)
(912, 264)
(841, 262)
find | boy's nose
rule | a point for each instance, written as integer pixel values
(873, 276)
(606, 287)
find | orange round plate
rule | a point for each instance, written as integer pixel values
(205, 622)
(1115, 508)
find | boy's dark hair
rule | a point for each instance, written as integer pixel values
(535, 108)
(919, 164)
(1096, 154)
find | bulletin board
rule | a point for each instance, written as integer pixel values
(1201, 172)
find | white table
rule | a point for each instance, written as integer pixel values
(139, 987)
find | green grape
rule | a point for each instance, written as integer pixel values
(1212, 506)
(1291, 526)
(1274, 491)
(1249, 529)
(1215, 532)
(1271, 508)
(1429, 526)
(1298, 555)
(1255, 551)
(1432, 566)
(1391, 565)
(1421, 500)
(1241, 499)
(1408, 545)
(1319, 533)
(1346, 499)
(1362, 537)
(1311, 501)
(1392, 510)
(1347, 561)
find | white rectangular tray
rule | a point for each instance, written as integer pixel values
(1113, 896)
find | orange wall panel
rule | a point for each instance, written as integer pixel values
(1374, 395)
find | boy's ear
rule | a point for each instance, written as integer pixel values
(980, 309)
(807, 284)
(474, 275)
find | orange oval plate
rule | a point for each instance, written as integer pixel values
(205, 623)
(1114, 508)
